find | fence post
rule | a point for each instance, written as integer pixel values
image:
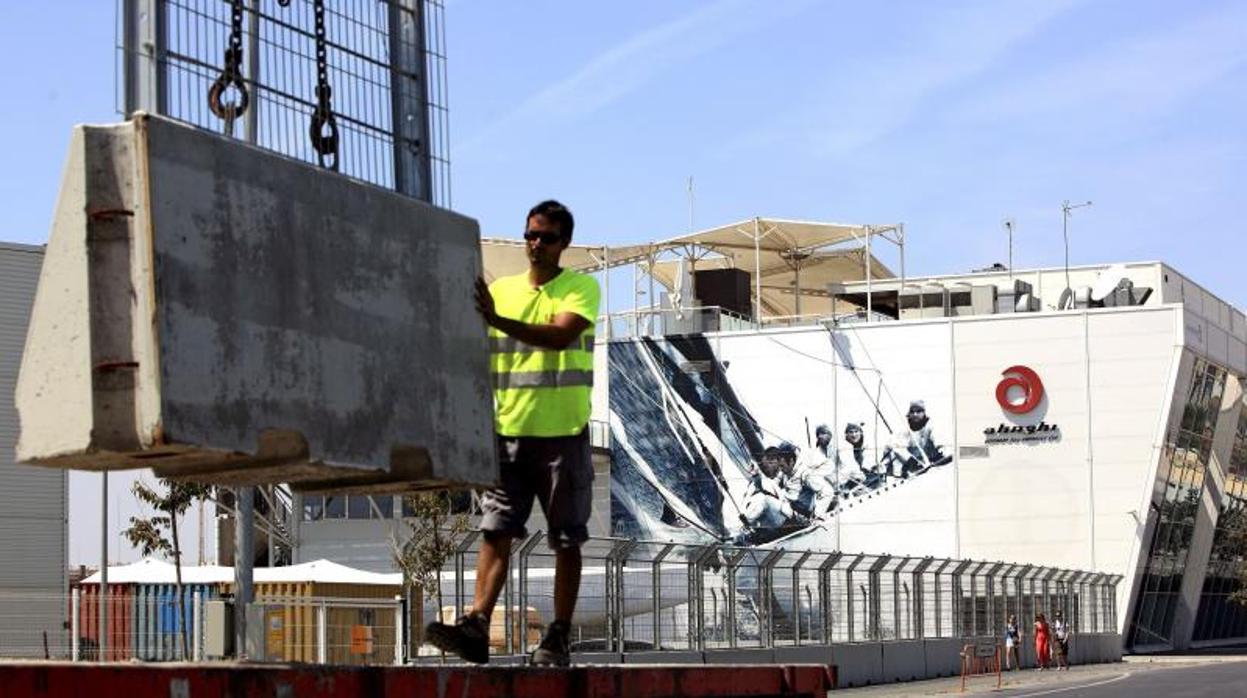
(616, 559)
(399, 619)
(524, 551)
(322, 633)
(197, 614)
(766, 582)
(824, 595)
(796, 598)
(656, 593)
(75, 609)
(464, 546)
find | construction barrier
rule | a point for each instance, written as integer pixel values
(54, 680)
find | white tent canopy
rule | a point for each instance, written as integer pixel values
(791, 263)
(153, 571)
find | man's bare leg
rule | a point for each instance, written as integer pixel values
(492, 563)
(566, 583)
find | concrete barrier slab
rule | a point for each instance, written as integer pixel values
(756, 655)
(219, 312)
(858, 665)
(943, 657)
(904, 660)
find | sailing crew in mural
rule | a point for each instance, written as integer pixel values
(811, 486)
(856, 475)
(913, 451)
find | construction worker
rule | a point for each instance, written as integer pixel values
(541, 330)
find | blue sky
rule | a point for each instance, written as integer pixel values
(946, 116)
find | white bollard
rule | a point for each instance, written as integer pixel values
(76, 606)
(197, 620)
(398, 630)
(322, 634)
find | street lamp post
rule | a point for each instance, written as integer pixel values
(1066, 208)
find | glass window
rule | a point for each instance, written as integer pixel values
(313, 507)
(1185, 460)
(335, 507)
(384, 506)
(358, 508)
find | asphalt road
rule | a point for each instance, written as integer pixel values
(1203, 680)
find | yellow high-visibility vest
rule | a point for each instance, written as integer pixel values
(542, 392)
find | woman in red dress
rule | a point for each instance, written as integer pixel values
(1043, 652)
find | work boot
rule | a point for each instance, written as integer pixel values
(553, 650)
(468, 638)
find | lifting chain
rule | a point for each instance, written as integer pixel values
(231, 75)
(324, 129)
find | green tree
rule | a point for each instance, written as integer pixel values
(148, 534)
(432, 532)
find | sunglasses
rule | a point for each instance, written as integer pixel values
(546, 238)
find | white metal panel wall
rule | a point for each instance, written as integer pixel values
(1024, 502)
(1133, 360)
(33, 501)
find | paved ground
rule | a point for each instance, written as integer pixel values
(1168, 675)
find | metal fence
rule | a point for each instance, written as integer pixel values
(638, 595)
(383, 63)
(635, 595)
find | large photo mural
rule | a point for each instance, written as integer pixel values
(805, 439)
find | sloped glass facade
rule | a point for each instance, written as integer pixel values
(1219, 616)
(1183, 468)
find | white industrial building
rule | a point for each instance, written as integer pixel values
(1131, 461)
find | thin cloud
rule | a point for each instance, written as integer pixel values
(1129, 78)
(627, 66)
(878, 93)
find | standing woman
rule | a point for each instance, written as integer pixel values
(1042, 650)
(1013, 641)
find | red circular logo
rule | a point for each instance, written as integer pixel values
(1024, 378)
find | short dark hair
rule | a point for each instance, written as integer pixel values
(557, 214)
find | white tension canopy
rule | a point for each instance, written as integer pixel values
(791, 263)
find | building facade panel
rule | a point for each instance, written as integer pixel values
(33, 501)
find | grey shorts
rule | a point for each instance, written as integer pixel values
(557, 472)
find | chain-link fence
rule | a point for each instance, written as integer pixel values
(639, 595)
(356, 85)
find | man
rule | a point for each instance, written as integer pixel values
(856, 477)
(765, 505)
(915, 450)
(541, 342)
(1060, 640)
(809, 487)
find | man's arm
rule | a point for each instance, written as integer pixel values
(558, 335)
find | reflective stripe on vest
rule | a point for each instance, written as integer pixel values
(511, 345)
(543, 379)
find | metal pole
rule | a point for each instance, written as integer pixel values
(1065, 235)
(870, 305)
(690, 204)
(103, 598)
(606, 283)
(757, 274)
(251, 118)
(143, 23)
(1009, 229)
(901, 229)
(413, 168)
(244, 507)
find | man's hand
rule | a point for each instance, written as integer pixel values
(484, 302)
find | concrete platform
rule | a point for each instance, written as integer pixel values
(221, 313)
(60, 680)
